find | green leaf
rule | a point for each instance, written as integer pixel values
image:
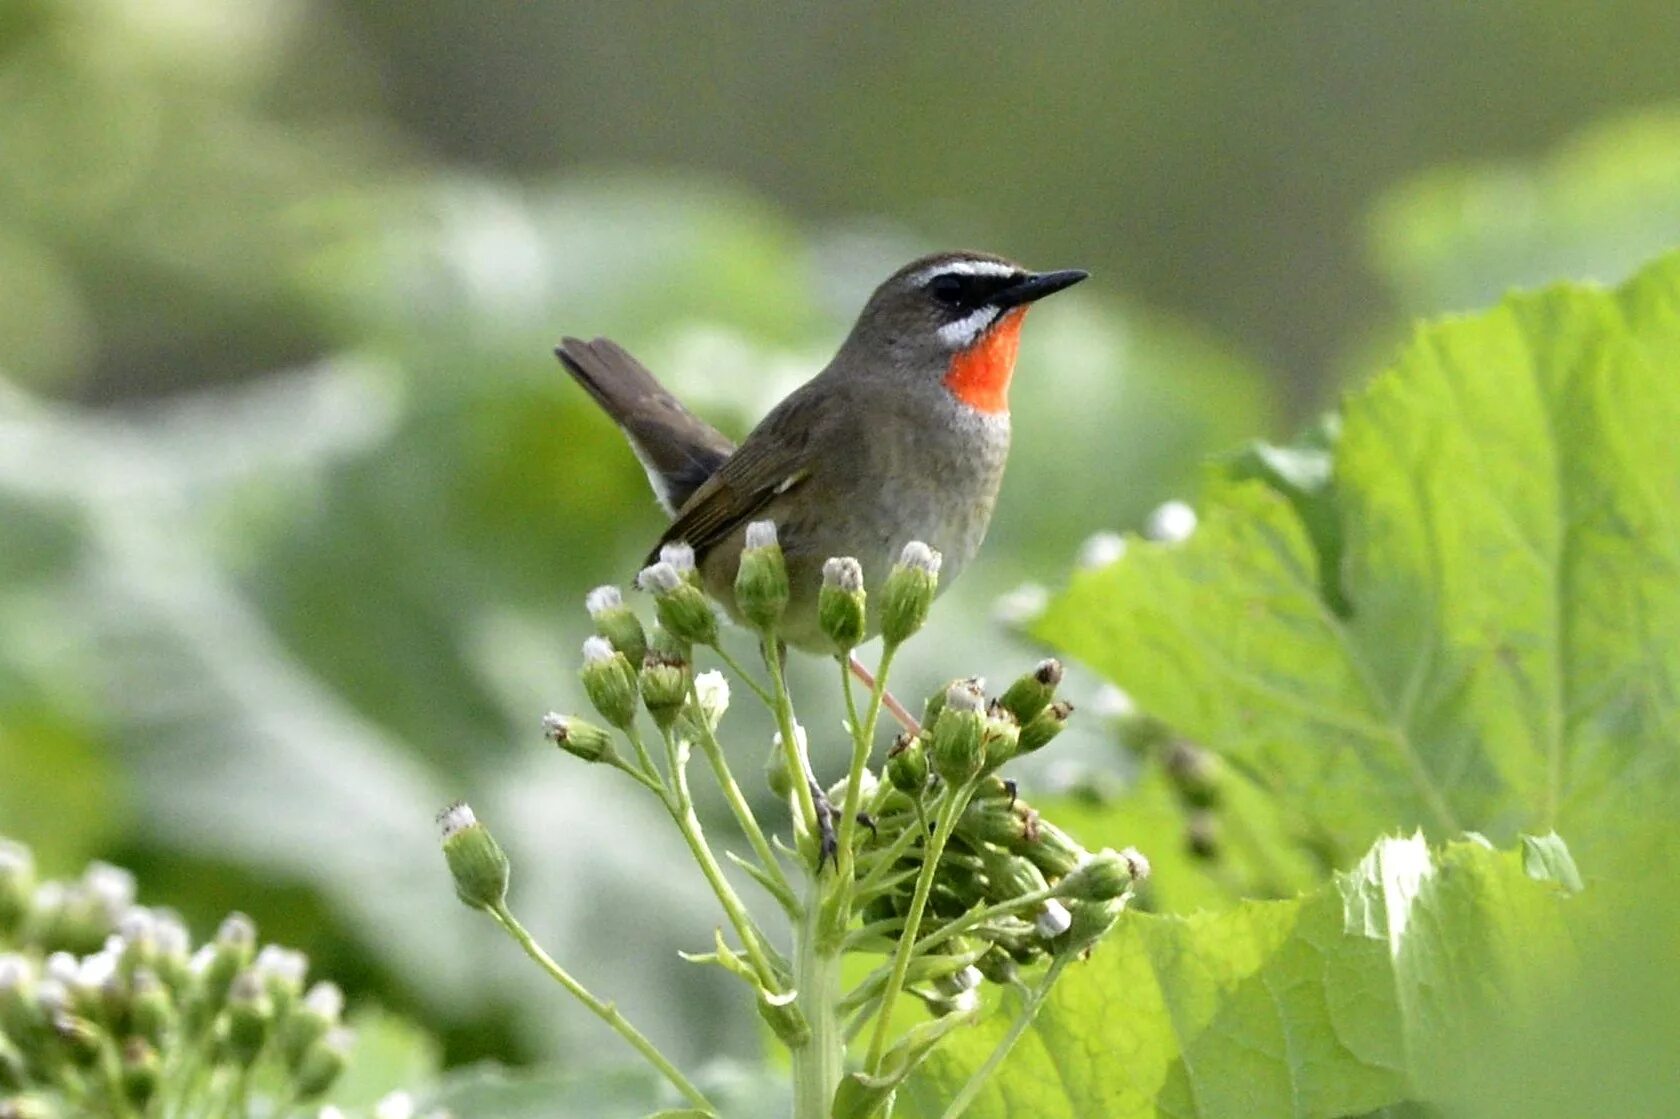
(1506, 499)
(1368, 992)
(391, 1054)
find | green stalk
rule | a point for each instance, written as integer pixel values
(863, 740)
(744, 816)
(783, 707)
(980, 916)
(606, 1011)
(944, 824)
(681, 807)
(818, 1064)
(1029, 1011)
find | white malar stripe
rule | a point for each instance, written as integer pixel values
(966, 268)
(966, 331)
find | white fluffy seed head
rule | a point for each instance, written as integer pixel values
(843, 573)
(1053, 920)
(679, 555)
(761, 534)
(919, 555)
(455, 819)
(602, 599)
(660, 578)
(597, 650)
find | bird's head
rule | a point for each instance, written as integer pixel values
(954, 318)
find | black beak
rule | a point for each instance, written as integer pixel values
(1037, 286)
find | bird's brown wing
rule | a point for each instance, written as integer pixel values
(774, 459)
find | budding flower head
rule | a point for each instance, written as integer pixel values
(775, 766)
(617, 622)
(761, 580)
(1052, 920)
(909, 591)
(959, 732)
(842, 605)
(610, 682)
(1037, 732)
(958, 982)
(578, 737)
(1103, 876)
(907, 767)
(476, 861)
(683, 609)
(664, 684)
(1033, 691)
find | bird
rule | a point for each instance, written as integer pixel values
(902, 437)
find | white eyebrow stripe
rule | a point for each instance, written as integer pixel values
(965, 268)
(965, 330)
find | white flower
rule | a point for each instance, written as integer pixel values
(1053, 920)
(285, 964)
(602, 599)
(919, 555)
(1171, 522)
(597, 650)
(679, 555)
(325, 999)
(1101, 549)
(237, 929)
(112, 886)
(713, 689)
(1136, 862)
(457, 818)
(660, 578)
(761, 534)
(966, 695)
(843, 573)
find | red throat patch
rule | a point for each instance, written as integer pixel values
(979, 376)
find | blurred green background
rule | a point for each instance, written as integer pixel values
(297, 511)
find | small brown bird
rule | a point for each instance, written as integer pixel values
(902, 437)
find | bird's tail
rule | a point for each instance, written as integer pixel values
(678, 450)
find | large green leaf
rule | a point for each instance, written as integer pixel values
(1503, 654)
(1371, 991)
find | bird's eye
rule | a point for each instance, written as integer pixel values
(947, 289)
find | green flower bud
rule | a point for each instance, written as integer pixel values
(681, 558)
(321, 1064)
(249, 1014)
(318, 1013)
(842, 604)
(761, 580)
(141, 1072)
(1033, 692)
(282, 971)
(1047, 724)
(1009, 876)
(664, 683)
(683, 608)
(579, 737)
(909, 592)
(959, 732)
(998, 966)
(617, 622)
(151, 1010)
(610, 682)
(1001, 737)
(80, 1040)
(1088, 923)
(907, 767)
(995, 821)
(232, 951)
(1102, 876)
(1050, 848)
(17, 886)
(476, 860)
(955, 983)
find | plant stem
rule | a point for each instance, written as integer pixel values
(606, 1011)
(863, 740)
(981, 916)
(798, 765)
(681, 807)
(820, 1062)
(745, 677)
(1029, 1011)
(744, 816)
(944, 823)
